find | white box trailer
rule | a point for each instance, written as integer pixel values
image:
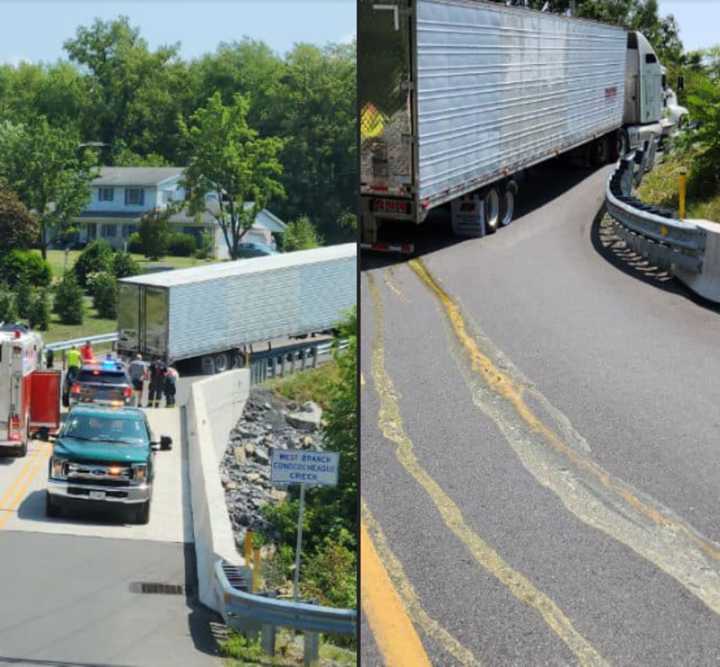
(458, 95)
(216, 309)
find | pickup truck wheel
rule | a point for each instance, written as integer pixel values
(52, 509)
(492, 210)
(142, 513)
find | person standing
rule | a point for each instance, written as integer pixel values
(86, 353)
(73, 360)
(138, 370)
(171, 378)
(157, 382)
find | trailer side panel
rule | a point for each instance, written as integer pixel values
(500, 88)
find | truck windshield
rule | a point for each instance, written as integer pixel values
(93, 428)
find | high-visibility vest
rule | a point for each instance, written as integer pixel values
(73, 358)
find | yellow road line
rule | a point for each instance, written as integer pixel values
(675, 547)
(409, 597)
(518, 584)
(18, 489)
(392, 630)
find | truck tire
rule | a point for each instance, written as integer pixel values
(507, 204)
(618, 145)
(222, 362)
(141, 514)
(208, 365)
(52, 509)
(599, 152)
(491, 200)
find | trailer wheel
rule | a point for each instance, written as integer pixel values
(222, 362)
(618, 145)
(508, 203)
(599, 152)
(491, 200)
(208, 365)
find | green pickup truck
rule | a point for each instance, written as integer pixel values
(103, 456)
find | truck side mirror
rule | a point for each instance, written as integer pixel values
(165, 442)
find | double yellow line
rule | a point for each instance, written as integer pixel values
(14, 494)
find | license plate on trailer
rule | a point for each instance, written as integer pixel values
(97, 495)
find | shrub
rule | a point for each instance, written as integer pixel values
(135, 243)
(18, 228)
(104, 289)
(300, 235)
(39, 314)
(329, 576)
(123, 265)
(22, 263)
(23, 297)
(96, 257)
(206, 246)
(8, 313)
(154, 233)
(69, 300)
(181, 245)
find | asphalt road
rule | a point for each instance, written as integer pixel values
(71, 589)
(540, 468)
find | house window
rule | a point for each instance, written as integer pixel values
(106, 194)
(134, 196)
(108, 231)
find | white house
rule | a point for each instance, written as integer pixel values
(120, 196)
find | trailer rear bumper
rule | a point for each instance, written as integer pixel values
(400, 248)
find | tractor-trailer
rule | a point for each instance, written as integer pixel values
(459, 97)
(211, 312)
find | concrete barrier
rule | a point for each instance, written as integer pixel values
(213, 407)
(706, 283)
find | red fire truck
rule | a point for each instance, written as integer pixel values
(29, 394)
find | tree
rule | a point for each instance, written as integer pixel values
(39, 312)
(316, 108)
(95, 258)
(8, 312)
(124, 265)
(154, 232)
(105, 291)
(19, 265)
(229, 166)
(18, 229)
(300, 235)
(23, 296)
(69, 303)
(48, 171)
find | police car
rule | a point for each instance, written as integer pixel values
(104, 383)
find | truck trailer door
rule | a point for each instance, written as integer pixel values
(128, 317)
(385, 92)
(154, 321)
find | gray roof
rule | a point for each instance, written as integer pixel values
(243, 266)
(264, 219)
(135, 176)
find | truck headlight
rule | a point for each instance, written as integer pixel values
(57, 468)
(139, 472)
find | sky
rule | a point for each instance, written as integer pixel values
(698, 21)
(35, 30)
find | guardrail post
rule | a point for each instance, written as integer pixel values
(682, 193)
(303, 358)
(292, 361)
(314, 356)
(268, 639)
(248, 547)
(256, 571)
(312, 649)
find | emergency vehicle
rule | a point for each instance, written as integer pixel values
(29, 394)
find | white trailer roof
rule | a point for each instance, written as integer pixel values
(244, 266)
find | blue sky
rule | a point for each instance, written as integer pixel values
(698, 20)
(36, 29)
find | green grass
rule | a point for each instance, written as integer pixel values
(57, 261)
(660, 187)
(241, 652)
(315, 384)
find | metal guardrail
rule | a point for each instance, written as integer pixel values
(247, 612)
(67, 344)
(288, 359)
(651, 231)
